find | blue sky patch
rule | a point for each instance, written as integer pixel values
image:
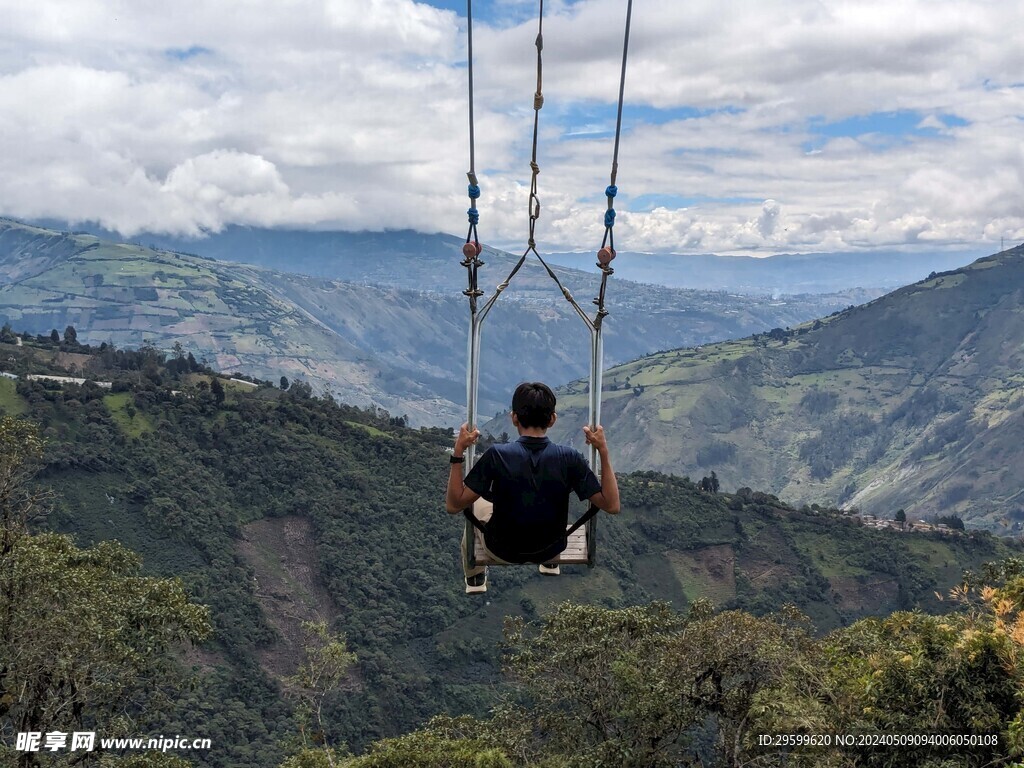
(590, 120)
(879, 129)
(585, 120)
(658, 116)
(184, 54)
(496, 13)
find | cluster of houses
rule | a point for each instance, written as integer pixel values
(916, 526)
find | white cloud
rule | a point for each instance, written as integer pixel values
(179, 117)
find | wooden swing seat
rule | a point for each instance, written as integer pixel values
(576, 551)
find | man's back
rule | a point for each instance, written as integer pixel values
(529, 482)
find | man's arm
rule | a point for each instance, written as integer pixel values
(608, 497)
(459, 496)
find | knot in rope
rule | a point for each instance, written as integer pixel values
(474, 216)
(611, 190)
(538, 100)
(474, 191)
(609, 218)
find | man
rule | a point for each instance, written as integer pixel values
(528, 482)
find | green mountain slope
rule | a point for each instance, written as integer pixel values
(394, 348)
(911, 401)
(275, 508)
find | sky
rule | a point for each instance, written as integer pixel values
(748, 127)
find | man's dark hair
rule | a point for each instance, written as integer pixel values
(533, 404)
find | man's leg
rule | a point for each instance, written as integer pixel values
(482, 510)
(467, 569)
(475, 575)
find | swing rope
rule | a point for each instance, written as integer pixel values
(607, 251)
(472, 249)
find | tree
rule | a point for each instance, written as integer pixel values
(953, 521)
(21, 448)
(217, 389)
(284, 383)
(86, 642)
(900, 516)
(709, 484)
(914, 673)
(443, 743)
(70, 335)
(55, 336)
(326, 665)
(577, 674)
(642, 686)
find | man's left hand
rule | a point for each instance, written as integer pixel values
(465, 439)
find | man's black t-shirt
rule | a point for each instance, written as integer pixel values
(529, 482)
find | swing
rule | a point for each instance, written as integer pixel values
(582, 534)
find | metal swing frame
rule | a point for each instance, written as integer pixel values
(577, 552)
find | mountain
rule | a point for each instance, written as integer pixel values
(395, 258)
(912, 401)
(375, 345)
(275, 508)
(421, 261)
(779, 275)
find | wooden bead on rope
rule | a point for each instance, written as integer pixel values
(472, 250)
(605, 256)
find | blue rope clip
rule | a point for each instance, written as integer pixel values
(474, 191)
(611, 190)
(609, 218)
(474, 216)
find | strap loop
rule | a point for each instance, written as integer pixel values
(468, 512)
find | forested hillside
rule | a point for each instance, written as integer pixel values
(912, 401)
(276, 507)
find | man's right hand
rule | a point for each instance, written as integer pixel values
(465, 439)
(596, 438)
